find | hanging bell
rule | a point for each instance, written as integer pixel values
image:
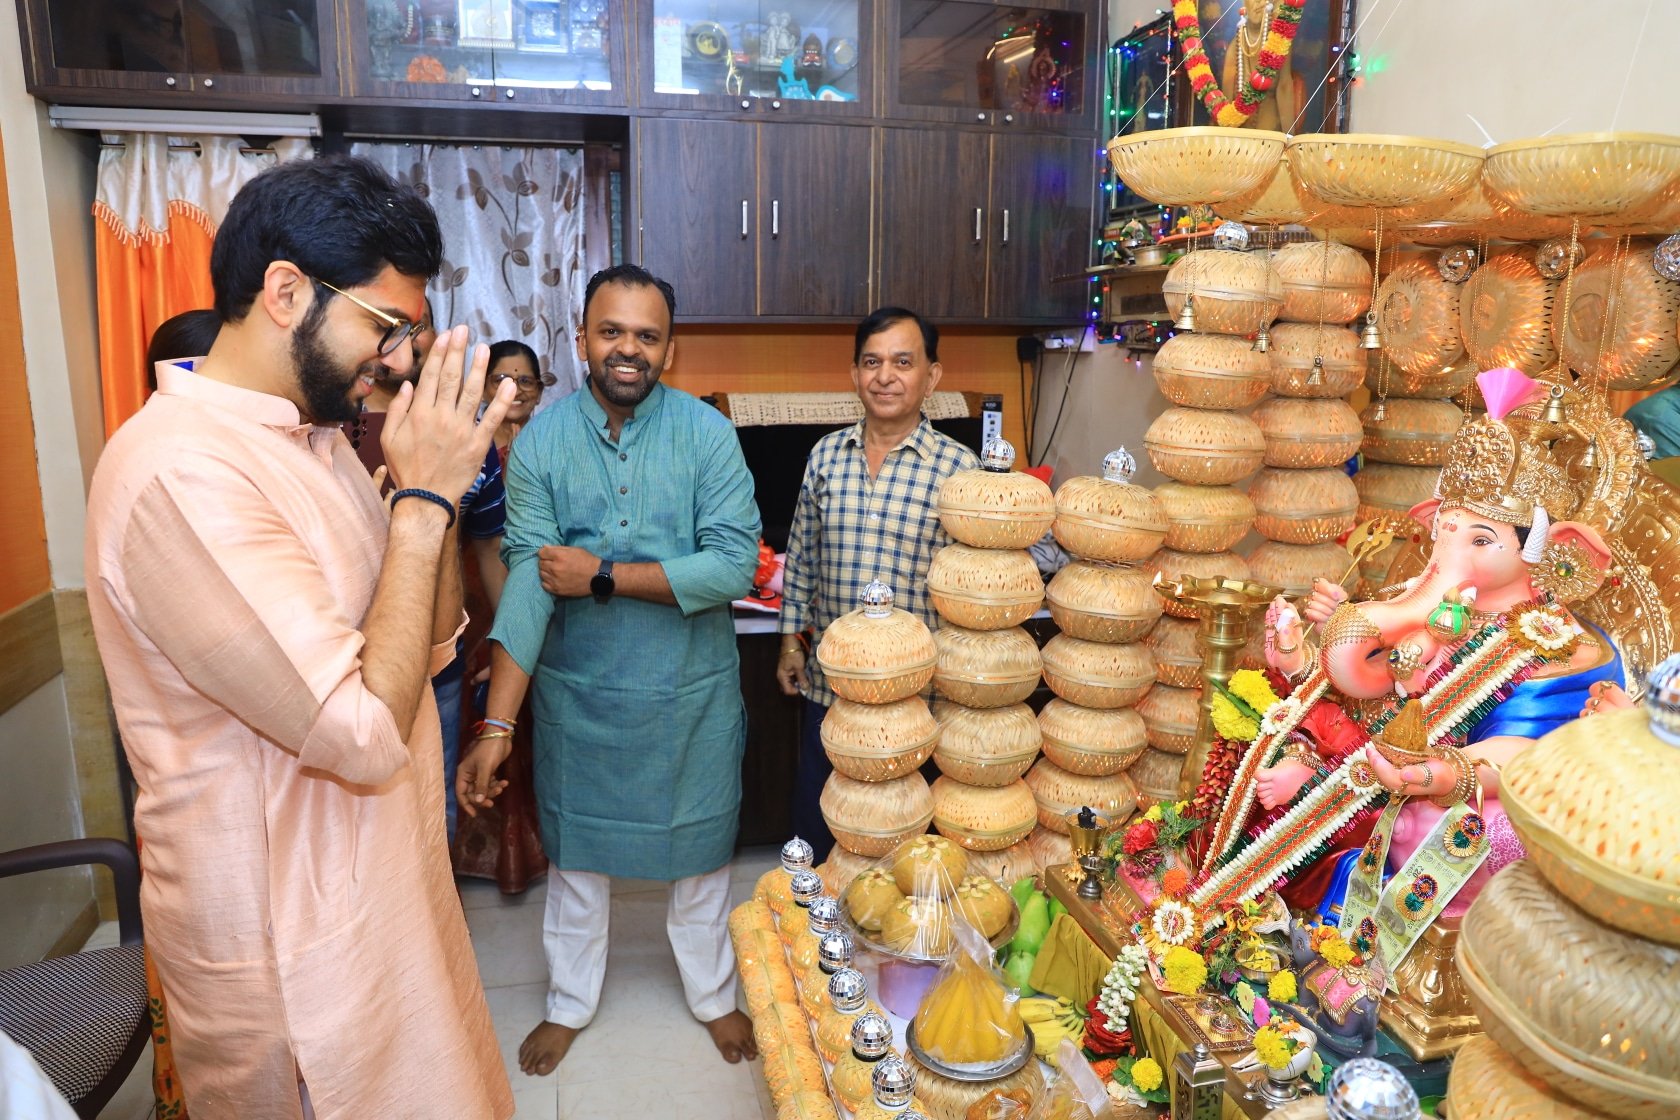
(1589, 457)
(1371, 337)
(1554, 412)
(1187, 317)
(1380, 413)
(1263, 341)
(1316, 377)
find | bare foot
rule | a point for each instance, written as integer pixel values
(732, 1035)
(544, 1047)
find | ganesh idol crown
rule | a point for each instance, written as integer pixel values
(1372, 790)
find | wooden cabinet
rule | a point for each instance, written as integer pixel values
(180, 54)
(750, 219)
(974, 226)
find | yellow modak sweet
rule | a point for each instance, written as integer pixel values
(918, 925)
(983, 904)
(968, 1018)
(870, 897)
(928, 865)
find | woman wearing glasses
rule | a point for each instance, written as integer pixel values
(511, 359)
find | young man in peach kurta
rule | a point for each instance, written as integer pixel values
(297, 893)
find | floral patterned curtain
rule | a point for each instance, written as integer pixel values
(512, 223)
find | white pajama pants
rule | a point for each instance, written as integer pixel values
(575, 940)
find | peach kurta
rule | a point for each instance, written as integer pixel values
(297, 894)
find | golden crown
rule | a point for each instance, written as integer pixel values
(1504, 468)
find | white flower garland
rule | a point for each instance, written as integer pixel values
(1120, 987)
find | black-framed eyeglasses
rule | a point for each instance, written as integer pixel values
(397, 331)
(523, 380)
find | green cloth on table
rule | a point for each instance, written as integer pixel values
(639, 726)
(1069, 963)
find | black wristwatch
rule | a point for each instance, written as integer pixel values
(602, 585)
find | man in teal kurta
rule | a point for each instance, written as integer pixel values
(631, 526)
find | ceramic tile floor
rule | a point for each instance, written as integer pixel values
(643, 1020)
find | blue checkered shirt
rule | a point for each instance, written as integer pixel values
(849, 529)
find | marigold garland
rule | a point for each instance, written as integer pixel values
(1274, 1048)
(1281, 987)
(1185, 970)
(1147, 1074)
(1280, 40)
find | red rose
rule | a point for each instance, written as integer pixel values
(1099, 1040)
(1335, 733)
(1140, 836)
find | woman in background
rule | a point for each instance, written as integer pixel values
(511, 358)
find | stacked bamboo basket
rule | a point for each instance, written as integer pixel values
(1572, 956)
(1304, 499)
(878, 732)
(1211, 373)
(984, 586)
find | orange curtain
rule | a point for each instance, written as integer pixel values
(143, 280)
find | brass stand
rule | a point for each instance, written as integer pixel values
(1429, 1012)
(1227, 609)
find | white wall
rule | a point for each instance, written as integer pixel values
(1111, 400)
(49, 176)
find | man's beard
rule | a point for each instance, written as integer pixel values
(323, 382)
(625, 396)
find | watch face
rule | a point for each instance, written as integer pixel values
(601, 586)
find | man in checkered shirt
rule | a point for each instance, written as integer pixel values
(868, 509)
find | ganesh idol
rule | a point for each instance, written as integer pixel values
(1386, 753)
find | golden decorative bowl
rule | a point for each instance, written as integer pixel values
(874, 742)
(1620, 175)
(876, 660)
(1098, 674)
(982, 818)
(873, 818)
(1193, 166)
(995, 509)
(984, 588)
(1101, 519)
(1279, 202)
(1302, 434)
(1172, 566)
(1619, 323)
(1235, 293)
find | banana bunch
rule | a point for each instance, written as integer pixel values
(1052, 1020)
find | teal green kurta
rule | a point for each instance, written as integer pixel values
(639, 723)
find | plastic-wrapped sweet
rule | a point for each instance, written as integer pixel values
(969, 1019)
(918, 926)
(928, 865)
(983, 904)
(871, 897)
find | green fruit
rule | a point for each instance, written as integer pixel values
(1017, 971)
(1022, 890)
(1056, 909)
(1035, 923)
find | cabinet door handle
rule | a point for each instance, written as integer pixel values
(1006, 225)
(775, 217)
(979, 218)
(170, 81)
(743, 218)
(209, 83)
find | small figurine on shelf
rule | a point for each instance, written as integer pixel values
(811, 53)
(780, 40)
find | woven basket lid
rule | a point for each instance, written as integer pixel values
(876, 816)
(1294, 567)
(1303, 507)
(877, 653)
(1204, 447)
(986, 668)
(1234, 292)
(1624, 291)
(1419, 316)
(1178, 658)
(1156, 775)
(1204, 518)
(1197, 165)
(1109, 518)
(1322, 282)
(985, 746)
(1314, 361)
(1279, 202)
(1505, 314)
(984, 588)
(1173, 566)
(872, 742)
(1170, 717)
(1618, 175)
(1098, 674)
(1219, 371)
(1584, 1007)
(1607, 829)
(1308, 433)
(1413, 432)
(1365, 170)
(993, 506)
(982, 818)
(1094, 741)
(1486, 1083)
(1103, 602)
(1059, 793)
(1436, 384)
